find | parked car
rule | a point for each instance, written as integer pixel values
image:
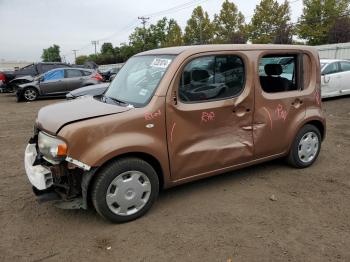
(26, 74)
(109, 75)
(335, 77)
(93, 90)
(57, 82)
(117, 150)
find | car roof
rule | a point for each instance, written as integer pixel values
(328, 61)
(207, 48)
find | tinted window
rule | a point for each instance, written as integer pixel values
(54, 75)
(46, 68)
(278, 73)
(86, 73)
(345, 66)
(331, 69)
(212, 78)
(73, 73)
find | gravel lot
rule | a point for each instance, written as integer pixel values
(228, 217)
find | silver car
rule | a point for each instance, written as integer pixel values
(57, 82)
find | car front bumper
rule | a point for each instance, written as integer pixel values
(39, 176)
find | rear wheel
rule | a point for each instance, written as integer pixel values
(306, 147)
(30, 94)
(125, 189)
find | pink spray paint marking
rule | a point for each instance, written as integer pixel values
(318, 96)
(151, 116)
(268, 113)
(281, 113)
(207, 116)
(172, 131)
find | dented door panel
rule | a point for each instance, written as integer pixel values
(208, 136)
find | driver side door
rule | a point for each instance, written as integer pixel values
(52, 82)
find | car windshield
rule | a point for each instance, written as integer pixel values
(138, 79)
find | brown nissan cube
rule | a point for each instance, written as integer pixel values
(175, 115)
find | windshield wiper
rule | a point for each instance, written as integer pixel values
(120, 102)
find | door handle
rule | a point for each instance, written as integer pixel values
(297, 102)
(240, 110)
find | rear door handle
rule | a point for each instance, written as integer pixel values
(297, 102)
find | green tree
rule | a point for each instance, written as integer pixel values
(339, 32)
(318, 18)
(174, 34)
(199, 29)
(51, 54)
(229, 25)
(270, 23)
(80, 60)
(107, 48)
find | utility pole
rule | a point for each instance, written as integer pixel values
(95, 43)
(75, 54)
(143, 22)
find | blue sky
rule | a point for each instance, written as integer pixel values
(28, 26)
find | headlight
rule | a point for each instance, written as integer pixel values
(51, 147)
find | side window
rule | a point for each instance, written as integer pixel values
(345, 66)
(331, 69)
(54, 75)
(212, 78)
(46, 67)
(73, 73)
(279, 73)
(86, 73)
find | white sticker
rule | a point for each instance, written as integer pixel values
(143, 92)
(161, 62)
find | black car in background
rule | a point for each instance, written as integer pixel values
(109, 75)
(10, 79)
(57, 82)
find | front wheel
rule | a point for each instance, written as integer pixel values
(125, 189)
(30, 94)
(306, 147)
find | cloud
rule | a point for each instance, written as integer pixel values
(29, 26)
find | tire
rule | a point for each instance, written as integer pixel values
(306, 147)
(125, 189)
(30, 94)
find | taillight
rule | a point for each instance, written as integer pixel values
(98, 77)
(2, 77)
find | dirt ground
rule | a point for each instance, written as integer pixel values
(228, 217)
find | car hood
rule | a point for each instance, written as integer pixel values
(28, 78)
(53, 117)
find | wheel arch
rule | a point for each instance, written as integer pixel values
(153, 161)
(319, 125)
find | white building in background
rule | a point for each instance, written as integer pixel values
(334, 51)
(12, 65)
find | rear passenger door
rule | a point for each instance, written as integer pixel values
(73, 79)
(281, 95)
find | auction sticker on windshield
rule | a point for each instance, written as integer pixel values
(161, 62)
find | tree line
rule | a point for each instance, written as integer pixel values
(321, 22)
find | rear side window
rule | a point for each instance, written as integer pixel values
(279, 73)
(212, 78)
(54, 75)
(86, 73)
(73, 73)
(345, 66)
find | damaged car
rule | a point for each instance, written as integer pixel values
(150, 130)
